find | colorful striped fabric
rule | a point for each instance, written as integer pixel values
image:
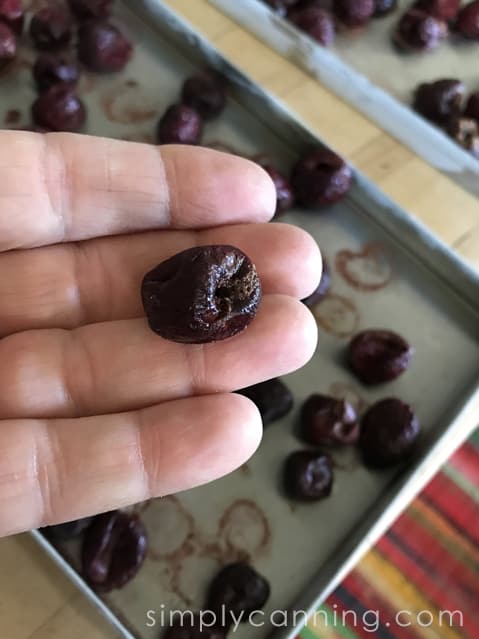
(421, 581)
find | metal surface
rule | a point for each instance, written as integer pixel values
(422, 290)
(364, 69)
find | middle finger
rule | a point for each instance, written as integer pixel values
(70, 285)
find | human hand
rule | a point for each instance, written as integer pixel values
(97, 411)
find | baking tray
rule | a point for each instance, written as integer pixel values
(365, 70)
(404, 278)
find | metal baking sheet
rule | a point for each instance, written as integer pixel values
(365, 70)
(420, 288)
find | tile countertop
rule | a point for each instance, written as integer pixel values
(36, 600)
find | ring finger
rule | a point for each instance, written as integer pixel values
(116, 366)
(69, 285)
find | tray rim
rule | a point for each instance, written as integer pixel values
(357, 90)
(452, 270)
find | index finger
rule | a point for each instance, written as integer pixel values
(61, 187)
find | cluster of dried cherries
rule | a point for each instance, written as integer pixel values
(444, 103)
(113, 548)
(423, 26)
(386, 434)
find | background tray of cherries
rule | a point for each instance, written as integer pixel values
(423, 27)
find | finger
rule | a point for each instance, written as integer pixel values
(115, 366)
(67, 285)
(61, 470)
(61, 187)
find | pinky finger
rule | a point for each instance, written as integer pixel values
(64, 469)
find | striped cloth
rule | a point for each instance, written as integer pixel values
(421, 581)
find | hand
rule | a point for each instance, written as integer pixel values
(97, 411)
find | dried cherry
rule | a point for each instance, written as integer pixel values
(321, 177)
(468, 20)
(378, 356)
(308, 475)
(284, 191)
(238, 589)
(205, 94)
(389, 433)
(12, 13)
(180, 125)
(328, 421)
(322, 289)
(203, 294)
(59, 109)
(113, 551)
(417, 30)
(440, 100)
(314, 20)
(354, 13)
(273, 399)
(102, 47)
(50, 70)
(51, 28)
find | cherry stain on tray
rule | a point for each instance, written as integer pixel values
(367, 269)
(125, 104)
(243, 533)
(337, 315)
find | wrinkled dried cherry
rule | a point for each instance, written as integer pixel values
(308, 475)
(354, 13)
(12, 13)
(102, 47)
(438, 101)
(273, 399)
(180, 125)
(322, 289)
(114, 549)
(468, 20)
(205, 93)
(203, 294)
(328, 421)
(59, 109)
(50, 70)
(237, 589)
(51, 28)
(320, 178)
(88, 9)
(419, 31)
(8, 44)
(69, 530)
(314, 20)
(377, 356)
(284, 191)
(389, 433)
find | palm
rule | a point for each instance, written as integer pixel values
(98, 412)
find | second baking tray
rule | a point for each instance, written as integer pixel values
(365, 70)
(388, 271)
